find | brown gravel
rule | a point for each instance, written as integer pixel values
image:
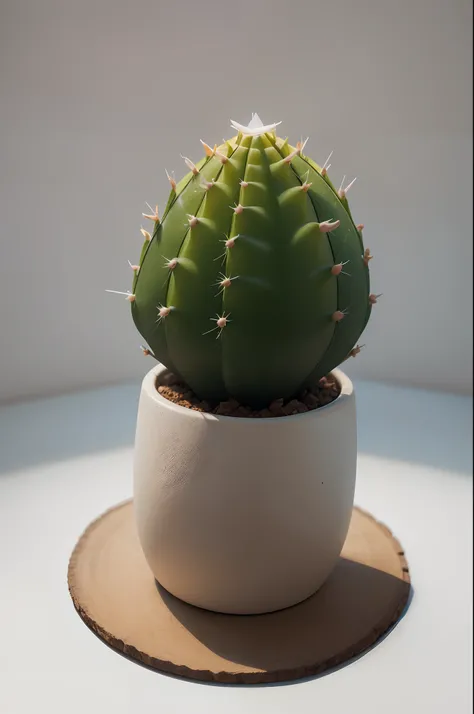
(308, 400)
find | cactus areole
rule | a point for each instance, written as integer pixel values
(254, 283)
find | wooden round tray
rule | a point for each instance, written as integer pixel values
(116, 595)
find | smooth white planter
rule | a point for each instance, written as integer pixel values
(243, 515)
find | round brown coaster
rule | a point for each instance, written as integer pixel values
(116, 595)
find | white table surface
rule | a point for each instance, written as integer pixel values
(65, 460)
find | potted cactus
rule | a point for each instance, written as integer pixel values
(251, 289)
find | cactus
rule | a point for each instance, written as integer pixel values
(255, 281)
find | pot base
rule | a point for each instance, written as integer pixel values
(117, 596)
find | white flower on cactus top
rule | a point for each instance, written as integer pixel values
(255, 127)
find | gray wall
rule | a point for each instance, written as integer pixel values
(99, 96)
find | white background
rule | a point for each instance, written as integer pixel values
(99, 96)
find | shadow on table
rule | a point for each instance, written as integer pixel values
(356, 608)
(67, 426)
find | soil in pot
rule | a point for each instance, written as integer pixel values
(326, 392)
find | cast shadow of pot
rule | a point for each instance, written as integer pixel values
(353, 610)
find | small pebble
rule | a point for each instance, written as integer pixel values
(223, 409)
(291, 407)
(242, 412)
(276, 405)
(312, 400)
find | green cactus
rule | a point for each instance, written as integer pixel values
(255, 282)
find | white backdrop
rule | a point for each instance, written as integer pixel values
(99, 96)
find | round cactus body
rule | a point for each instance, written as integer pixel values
(255, 282)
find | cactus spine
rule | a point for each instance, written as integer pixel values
(255, 281)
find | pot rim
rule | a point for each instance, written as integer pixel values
(149, 387)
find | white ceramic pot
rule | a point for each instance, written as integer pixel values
(243, 515)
